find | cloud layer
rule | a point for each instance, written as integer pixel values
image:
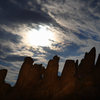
(75, 23)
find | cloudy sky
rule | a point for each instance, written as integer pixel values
(44, 28)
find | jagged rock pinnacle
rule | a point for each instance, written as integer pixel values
(51, 73)
(77, 81)
(4, 87)
(88, 62)
(67, 77)
(3, 73)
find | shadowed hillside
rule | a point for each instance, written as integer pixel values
(77, 81)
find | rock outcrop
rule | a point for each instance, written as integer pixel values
(25, 73)
(77, 81)
(87, 63)
(98, 61)
(51, 73)
(86, 67)
(97, 73)
(3, 73)
(4, 87)
(67, 78)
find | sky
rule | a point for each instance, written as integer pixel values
(44, 28)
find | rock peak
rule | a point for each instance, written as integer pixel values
(56, 58)
(3, 74)
(28, 59)
(93, 51)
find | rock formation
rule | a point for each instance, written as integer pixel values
(4, 87)
(77, 81)
(67, 77)
(97, 73)
(86, 67)
(3, 73)
(98, 61)
(51, 73)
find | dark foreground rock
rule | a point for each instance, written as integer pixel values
(77, 82)
(4, 87)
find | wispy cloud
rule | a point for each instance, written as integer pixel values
(75, 24)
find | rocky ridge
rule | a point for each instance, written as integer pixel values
(77, 82)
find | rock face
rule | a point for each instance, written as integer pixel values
(67, 77)
(88, 61)
(3, 73)
(77, 81)
(97, 73)
(68, 71)
(50, 81)
(86, 67)
(4, 87)
(30, 74)
(98, 61)
(25, 73)
(51, 73)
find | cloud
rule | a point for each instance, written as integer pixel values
(80, 20)
(9, 37)
(14, 58)
(75, 14)
(75, 23)
(17, 13)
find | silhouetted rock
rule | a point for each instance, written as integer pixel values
(30, 74)
(85, 82)
(50, 80)
(77, 81)
(97, 73)
(68, 71)
(98, 61)
(68, 78)
(3, 73)
(76, 68)
(29, 78)
(51, 73)
(4, 87)
(76, 64)
(87, 64)
(25, 73)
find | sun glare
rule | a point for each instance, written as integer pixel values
(40, 37)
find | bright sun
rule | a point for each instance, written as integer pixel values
(41, 37)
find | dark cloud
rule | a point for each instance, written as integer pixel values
(81, 36)
(85, 35)
(70, 50)
(4, 35)
(77, 20)
(49, 52)
(14, 58)
(5, 64)
(4, 50)
(13, 13)
(92, 7)
(96, 38)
